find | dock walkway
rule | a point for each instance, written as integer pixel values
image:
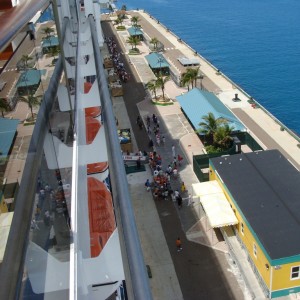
(204, 269)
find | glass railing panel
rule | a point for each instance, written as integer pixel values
(23, 81)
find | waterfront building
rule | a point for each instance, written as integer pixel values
(263, 191)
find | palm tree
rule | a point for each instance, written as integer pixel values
(193, 75)
(209, 126)
(3, 106)
(119, 20)
(155, 42)
(152, 86)
(222, 136)
(121, 15)
(32, 101)
(185, 80)
(160, 82)
(110, 8)
(133, 41)
(48, 32)
(135, 20)
(54, 51)
(25, 59)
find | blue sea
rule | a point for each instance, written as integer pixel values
(256, 43)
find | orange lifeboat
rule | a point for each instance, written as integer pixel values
(97, 167)
(87, 87)
(101, 215)
(92, 128)
(93, 111)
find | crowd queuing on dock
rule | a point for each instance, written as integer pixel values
(117, 62)
(165, 183)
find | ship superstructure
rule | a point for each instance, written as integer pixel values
(85, 204)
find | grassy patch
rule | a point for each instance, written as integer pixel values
(120, 28)
(134, 51)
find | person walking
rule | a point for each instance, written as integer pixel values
(157, 140)
(180, 159)
(183, 188)
(173, 151)
(147, 185)
(179, 201)
(176, 194)
(178, 244)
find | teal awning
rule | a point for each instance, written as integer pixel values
(50, 42)
(8, 130)
(29, 78)
(198, 103)
(157, 61)
(134, 31)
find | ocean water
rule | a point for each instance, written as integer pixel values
(256, 43)
(46, 16)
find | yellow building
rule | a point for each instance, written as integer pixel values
(3, 205)
(263, 189)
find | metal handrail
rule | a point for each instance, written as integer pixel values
(14, 19)
(137, 281)
(11, 270)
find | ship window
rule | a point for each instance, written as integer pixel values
(295, 272)
(242, 228)
(255, 250)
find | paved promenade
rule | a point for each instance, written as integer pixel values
(204, 249)
(203, 269)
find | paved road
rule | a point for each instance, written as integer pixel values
(202, 272)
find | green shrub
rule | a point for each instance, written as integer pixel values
(121, 27)
(134, 51)
(212, 149)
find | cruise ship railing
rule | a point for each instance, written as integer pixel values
(12, 267)
(16, 18)
(137, 281)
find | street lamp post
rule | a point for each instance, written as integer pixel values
(160, 61)
(201, 76)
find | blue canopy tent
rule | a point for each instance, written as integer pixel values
(49, 43)
(158, 63)
(29, 81)
(8, 132)
(137, 32)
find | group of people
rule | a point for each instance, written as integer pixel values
(115, 56)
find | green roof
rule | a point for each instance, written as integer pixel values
(157, 61)
(198, 103)
(50, 42)
(29, 78)
(8, 130)
(133, 31)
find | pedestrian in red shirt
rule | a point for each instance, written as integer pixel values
(178, 244)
